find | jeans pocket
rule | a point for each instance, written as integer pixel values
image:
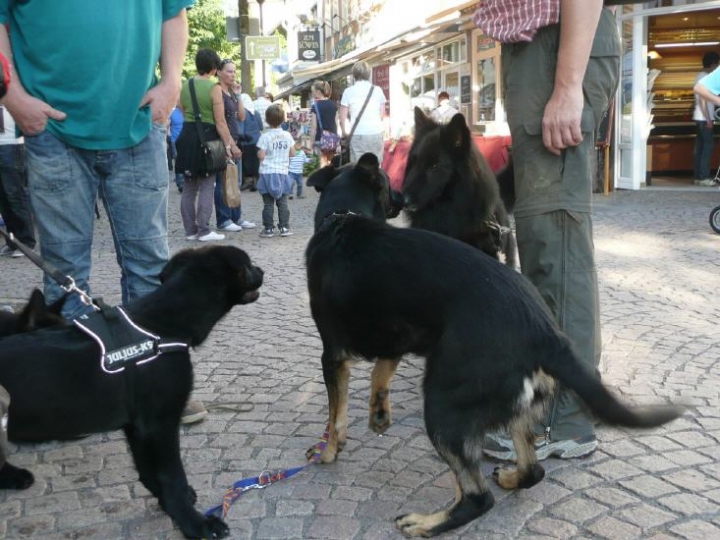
(149, 160)
(49, 163)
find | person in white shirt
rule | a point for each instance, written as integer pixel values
(275, 148)
(14, 198)
(261, 104)
(443, 113)
(704, 117)
(368, 134)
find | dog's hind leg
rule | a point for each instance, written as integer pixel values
(528, 471)
(337, 377)
(380, 411)
(461, 448)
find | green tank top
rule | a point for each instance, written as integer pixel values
(203, 88)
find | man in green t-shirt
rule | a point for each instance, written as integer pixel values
(86, 97)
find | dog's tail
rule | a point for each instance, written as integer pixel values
(568, 369)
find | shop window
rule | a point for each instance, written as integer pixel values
(486, 66)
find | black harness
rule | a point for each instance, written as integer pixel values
(122, 342)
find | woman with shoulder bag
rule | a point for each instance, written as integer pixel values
(196, 204)
(323, 114)
(229, 219)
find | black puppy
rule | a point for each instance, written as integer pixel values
(36, 314)
(60, 390)
(450, 189)
(492, 348)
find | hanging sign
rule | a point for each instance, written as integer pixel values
(309, 45)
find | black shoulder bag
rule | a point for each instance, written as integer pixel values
(213, 157)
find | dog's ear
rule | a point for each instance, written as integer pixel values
(422, 121)
(322, 177)
(27, 320)
(179, 260)
(368, 164)
(457, 134)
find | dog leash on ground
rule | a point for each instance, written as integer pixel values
(67, 283)
(265, 479)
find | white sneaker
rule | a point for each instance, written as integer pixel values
(231, 227)
(708, 182)
(191, 237)
(285, 231)
(247, 224)
(211, 236)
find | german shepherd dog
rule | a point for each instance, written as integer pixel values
(59, 389)
(493, 350)
(450, 189)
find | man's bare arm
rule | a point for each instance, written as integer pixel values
(163, 97)
(30, 114)
(561, 121)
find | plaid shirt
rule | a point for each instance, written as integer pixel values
(509, 21)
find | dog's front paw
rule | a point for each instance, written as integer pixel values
(12, 477)
(418, 524)
(209, 527)
(380, 421)
(316, 455)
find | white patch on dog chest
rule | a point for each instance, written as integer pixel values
(525, 398)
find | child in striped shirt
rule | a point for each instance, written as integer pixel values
(295, 169)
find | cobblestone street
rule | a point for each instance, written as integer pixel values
(659, 267)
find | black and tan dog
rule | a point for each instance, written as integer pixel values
(492, 349)
(450, 189)
(60, 390)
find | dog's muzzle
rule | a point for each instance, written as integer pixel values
(254, 281)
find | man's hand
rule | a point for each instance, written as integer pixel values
(31, 114)
(561, 120)
(161, 98)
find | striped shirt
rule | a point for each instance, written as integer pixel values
(297, 161)
(509, 21)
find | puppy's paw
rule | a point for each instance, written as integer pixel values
(380, 421)
(325, 456)
(506, 478)
(215, 527)
(12, 477)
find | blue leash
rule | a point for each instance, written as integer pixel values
(265, 479)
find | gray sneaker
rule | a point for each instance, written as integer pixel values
(500, 446)
(267, 233)
(193, 412)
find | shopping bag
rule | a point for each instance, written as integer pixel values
(230, 186)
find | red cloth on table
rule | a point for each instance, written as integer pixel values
(494, 148)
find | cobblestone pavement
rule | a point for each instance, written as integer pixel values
(659, 266)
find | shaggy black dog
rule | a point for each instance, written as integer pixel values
(450, 189)
(36, 314)
(493, 350)
(60, 390)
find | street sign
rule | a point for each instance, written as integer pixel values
(262, 47)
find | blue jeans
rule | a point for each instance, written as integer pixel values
(14, 199)
(64, 184)
(223, 213)
(297, 178)
(703, 151)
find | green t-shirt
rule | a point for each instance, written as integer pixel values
(203, 88)
(93, 60)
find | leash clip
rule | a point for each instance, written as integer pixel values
(69, 287)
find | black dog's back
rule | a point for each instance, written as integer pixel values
(450, 189)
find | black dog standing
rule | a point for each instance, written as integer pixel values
(63, 385)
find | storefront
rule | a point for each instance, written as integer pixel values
(664, 42)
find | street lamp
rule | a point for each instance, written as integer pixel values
(260, 3)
